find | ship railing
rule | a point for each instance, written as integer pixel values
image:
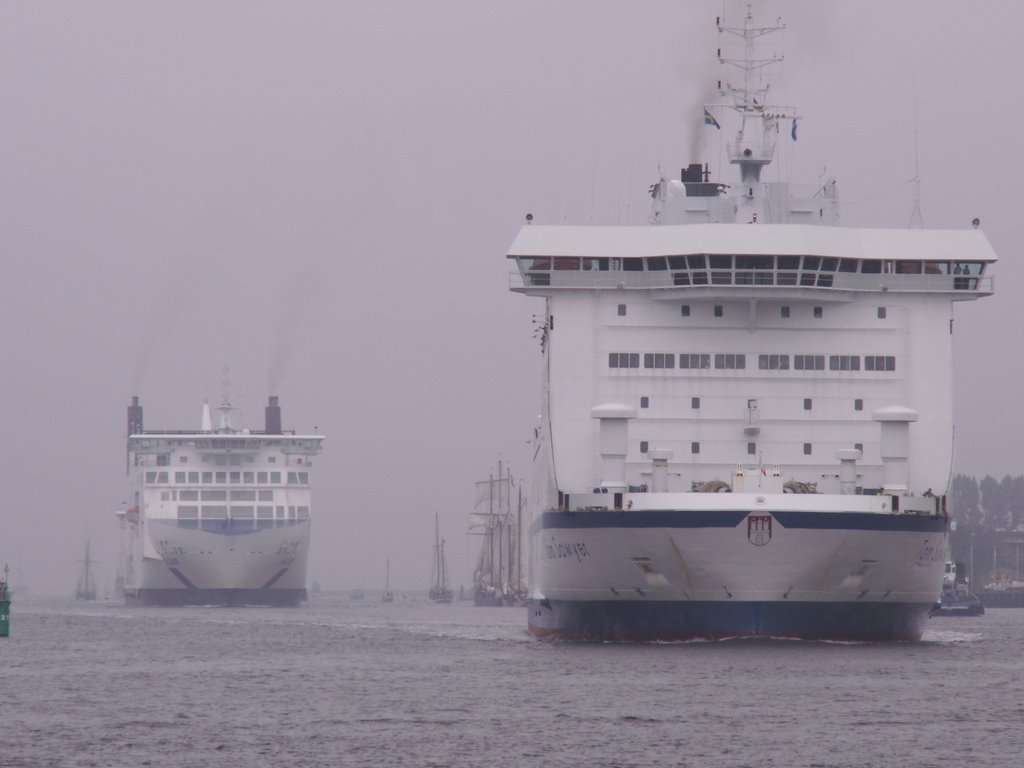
(753, 280)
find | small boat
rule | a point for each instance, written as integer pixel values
(956, 598)
(440, 591)
(86, 587)
(358, 593)
(5, 605)
(388, 596)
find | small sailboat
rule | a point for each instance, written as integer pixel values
(387, 597)
(5, 605)
(440, 592)
(86, 587)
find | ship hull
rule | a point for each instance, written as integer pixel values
(700, 574)
(675, 620)
(221, 564)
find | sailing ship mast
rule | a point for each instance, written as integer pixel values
(387, 597)
(86, 588)
(439, 591)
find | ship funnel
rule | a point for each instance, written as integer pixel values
(659, 470)
(273, 416)
(134, 417)
(614, 437)
(895, 423)
(848, 469)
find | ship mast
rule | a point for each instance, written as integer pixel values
(754, 145)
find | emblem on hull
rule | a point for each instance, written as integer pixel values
(759, 529)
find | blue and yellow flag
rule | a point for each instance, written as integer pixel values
(709, 119)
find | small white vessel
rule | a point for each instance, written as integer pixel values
(747, 412)
(218, 515)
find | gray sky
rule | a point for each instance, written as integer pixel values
(320, 197)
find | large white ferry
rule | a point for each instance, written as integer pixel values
(747, 419)
(218, 515)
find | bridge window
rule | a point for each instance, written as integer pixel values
(879, 363)
(694, 361)
(659, 360)
(731, 361)
(809, 362)
(844, 362)
(623, 360)
(773, 362)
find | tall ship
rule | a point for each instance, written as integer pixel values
(497, 519)
(440, 589)
(747, 410)
(218, 515)
(85, 589)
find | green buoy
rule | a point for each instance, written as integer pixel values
(5, 606)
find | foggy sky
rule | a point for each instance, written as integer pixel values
(320, 197)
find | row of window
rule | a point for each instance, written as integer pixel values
(193, 494)
(768, 362)
(751, 448)
(224, 512)
(752, 263)
(247, 478)
(858, 403)
(219, 459)
(719, 311)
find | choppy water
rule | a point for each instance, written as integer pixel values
(346, 683)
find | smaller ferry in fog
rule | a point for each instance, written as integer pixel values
(218, 515)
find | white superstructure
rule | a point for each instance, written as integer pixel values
(218, 515)
(747, 416)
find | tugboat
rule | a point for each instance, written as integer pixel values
(957, 598)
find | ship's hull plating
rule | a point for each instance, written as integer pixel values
(683, 575)
(221, 564)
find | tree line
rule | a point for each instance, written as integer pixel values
(988, 504)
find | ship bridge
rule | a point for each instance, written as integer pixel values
(745, 261)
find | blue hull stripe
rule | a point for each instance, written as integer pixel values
(647, 621)
(671, 518)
